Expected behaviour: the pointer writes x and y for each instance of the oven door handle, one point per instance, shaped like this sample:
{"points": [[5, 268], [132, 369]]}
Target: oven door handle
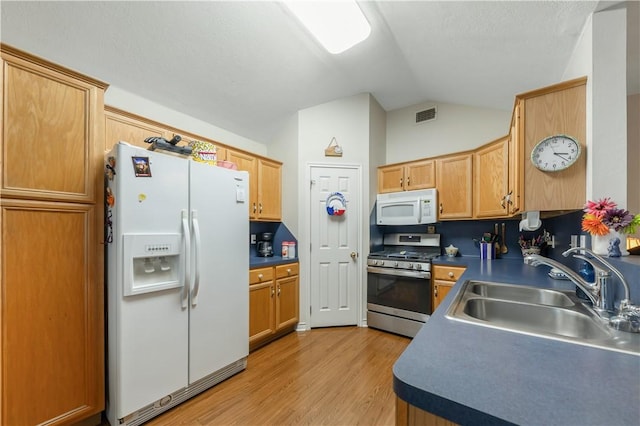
{"points": [[399, 272]]}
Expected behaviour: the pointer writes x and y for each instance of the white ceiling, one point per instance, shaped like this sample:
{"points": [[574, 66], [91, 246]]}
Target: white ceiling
{"points": [[248, 66]]}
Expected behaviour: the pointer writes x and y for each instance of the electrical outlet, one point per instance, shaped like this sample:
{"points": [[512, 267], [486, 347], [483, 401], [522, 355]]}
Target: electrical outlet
{"points": [[253, 238]]}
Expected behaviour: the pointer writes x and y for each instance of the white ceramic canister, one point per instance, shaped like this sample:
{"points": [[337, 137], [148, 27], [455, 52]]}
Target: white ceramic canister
{"points": [[292, 249]]}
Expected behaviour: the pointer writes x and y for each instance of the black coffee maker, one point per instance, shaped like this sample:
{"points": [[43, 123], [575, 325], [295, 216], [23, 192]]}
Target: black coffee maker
{"points": [[264, 245]]}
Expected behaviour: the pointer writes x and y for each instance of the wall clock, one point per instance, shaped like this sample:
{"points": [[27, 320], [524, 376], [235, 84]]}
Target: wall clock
{"points": [[555, 153]]}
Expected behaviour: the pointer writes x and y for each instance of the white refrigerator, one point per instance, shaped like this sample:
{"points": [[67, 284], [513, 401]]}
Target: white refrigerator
{"points": [[177, 279]]}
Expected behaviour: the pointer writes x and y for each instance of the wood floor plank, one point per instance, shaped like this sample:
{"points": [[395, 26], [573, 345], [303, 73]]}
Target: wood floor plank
{"points": [[328, 376]]}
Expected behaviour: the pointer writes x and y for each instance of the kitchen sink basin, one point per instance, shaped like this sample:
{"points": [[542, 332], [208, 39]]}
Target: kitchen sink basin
{"points": [[546, 313], [537, 296], [535, 318]]}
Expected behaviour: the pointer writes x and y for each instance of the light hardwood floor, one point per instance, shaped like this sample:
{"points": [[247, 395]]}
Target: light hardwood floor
{"points": [[329, 376]]}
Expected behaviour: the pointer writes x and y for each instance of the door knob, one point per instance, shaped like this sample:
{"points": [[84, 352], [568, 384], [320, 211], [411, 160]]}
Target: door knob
{"points": [[354, 255]]}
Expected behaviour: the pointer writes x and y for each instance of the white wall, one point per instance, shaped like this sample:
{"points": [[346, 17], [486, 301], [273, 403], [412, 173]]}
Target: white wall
{"points": [[609, 102], [284, 147], [377, 147], [347, 120], [633, 155], [456, 128], [135, 104]]}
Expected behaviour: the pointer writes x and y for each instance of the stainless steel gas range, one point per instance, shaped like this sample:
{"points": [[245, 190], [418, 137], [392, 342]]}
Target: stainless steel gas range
{"points": [[399, 282]]}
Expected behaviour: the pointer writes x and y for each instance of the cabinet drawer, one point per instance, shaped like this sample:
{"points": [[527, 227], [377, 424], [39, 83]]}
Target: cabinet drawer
{"points": [[260, 275], [449, 273], [288, 270]]}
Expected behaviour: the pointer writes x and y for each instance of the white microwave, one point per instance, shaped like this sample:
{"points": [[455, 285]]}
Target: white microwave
{"points": [[407, 207]]}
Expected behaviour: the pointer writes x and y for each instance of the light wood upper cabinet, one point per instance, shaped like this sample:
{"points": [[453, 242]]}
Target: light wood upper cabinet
{"points": [[559, 109], [516, 181], [265, 184], [406, 177], [504, 182], [52, 130], [491, 179], [120, 126], [454, 182], [391, 178], [51, 211], [269, 190]]}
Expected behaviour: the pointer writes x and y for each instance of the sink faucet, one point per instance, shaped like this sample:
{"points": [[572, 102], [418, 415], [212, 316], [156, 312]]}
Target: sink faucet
{"points": [[606, 273], [592, 290], [628, 315]]}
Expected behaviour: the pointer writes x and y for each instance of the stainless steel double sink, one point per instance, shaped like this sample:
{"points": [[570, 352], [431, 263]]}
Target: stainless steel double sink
{"points": [[547, 313]]}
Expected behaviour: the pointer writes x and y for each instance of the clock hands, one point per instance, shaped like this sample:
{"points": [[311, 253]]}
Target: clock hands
{"points": [[561, 155]]}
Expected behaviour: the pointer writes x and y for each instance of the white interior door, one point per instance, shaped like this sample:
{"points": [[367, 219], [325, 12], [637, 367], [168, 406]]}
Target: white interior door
{"points": [[335, 282]]}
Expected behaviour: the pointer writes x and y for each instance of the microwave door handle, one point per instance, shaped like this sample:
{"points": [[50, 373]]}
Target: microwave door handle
{"points": [[419, 211]]}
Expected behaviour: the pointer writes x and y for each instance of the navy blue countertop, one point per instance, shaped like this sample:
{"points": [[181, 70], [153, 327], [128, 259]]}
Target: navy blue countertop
{"points": [[261, 262], [478, 375]]}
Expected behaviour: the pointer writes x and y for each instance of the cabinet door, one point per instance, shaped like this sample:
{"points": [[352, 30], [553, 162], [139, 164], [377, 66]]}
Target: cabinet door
{"points": [[261, 311], [287, 301], [491, 183], [53, 130], [269, 190], [51, 313], [454, 178], [390, 179], [249, 164], [420, 175], [562, 110], [516, 159], [440, 291], [121, 128]]}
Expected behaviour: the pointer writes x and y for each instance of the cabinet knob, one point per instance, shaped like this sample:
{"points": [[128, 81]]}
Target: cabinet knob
{"points": [[260, 276], [273, 292], [260, 207], [278, 291], [288, 271], [450, 274], [441, 208], [254, 207]]}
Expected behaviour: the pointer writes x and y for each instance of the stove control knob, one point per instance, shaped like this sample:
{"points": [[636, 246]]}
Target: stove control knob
{"points": [[382, 263], [396, 265], [410, 266], [374, 262], [418, 266]]}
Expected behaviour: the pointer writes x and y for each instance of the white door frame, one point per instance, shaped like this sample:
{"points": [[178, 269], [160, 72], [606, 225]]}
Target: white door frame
{"points": [[304, 253]]}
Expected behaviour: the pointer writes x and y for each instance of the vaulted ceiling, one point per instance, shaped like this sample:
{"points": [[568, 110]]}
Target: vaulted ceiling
{"points": [[248, 66]]}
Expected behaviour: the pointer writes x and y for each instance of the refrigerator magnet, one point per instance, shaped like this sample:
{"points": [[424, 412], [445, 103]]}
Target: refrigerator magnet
{"points": [[141, 166]]}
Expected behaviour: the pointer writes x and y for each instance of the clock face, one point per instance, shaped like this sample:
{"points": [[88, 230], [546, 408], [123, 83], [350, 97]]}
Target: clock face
{"points": [[555, 153]]}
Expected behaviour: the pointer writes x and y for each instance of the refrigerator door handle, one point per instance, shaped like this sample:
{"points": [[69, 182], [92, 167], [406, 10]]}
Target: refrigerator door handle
{"points": [[196, 235], [187, 261]]}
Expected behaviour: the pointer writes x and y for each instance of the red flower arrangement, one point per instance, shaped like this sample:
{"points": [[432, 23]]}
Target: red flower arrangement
{"points": [[603, 215]]}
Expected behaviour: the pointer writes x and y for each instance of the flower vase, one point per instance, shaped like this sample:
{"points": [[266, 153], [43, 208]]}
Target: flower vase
{"points": [[606, 245]]}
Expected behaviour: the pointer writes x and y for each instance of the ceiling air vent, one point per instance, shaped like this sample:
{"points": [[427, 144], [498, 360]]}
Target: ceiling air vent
{"points": [[426, 115]]}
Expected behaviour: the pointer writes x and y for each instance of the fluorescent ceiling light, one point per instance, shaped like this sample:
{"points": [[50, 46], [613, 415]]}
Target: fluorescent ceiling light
{"points": [[337, 24]]}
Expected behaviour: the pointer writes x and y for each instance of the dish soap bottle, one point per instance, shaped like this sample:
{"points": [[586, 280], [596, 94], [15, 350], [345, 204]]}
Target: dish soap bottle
{"points": [[586, 271]]}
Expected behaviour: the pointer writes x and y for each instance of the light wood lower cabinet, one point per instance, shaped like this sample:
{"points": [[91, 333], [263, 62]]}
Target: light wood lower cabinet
{"points": [[444, 277], [273, 303], [410, 415]]}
